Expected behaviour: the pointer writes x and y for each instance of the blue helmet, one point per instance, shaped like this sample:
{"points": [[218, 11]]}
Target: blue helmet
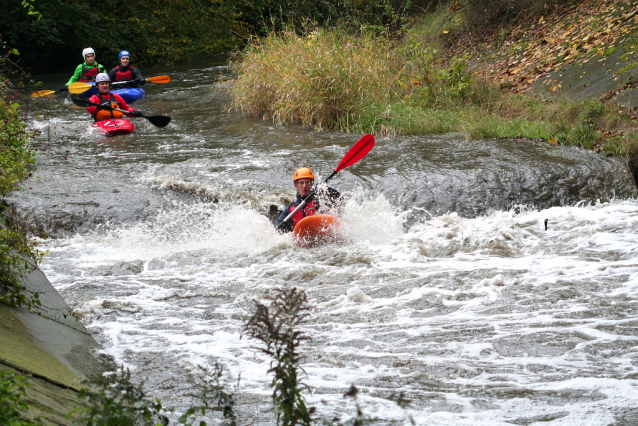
{"points": [[123, 53]]}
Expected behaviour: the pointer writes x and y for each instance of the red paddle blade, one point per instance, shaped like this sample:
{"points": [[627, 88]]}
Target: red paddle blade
{"points": [[357, 152]]}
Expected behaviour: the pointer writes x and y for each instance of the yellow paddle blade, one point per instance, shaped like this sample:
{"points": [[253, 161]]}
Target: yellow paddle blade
{"points": [[159, 79], [42, 93], [79, 87]]}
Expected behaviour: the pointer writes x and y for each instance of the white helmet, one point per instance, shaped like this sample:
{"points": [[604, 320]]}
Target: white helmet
{"points": [[87, 51], [102, 77]]}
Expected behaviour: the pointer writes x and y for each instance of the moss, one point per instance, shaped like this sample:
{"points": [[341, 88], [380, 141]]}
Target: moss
{"points": [[17, 348]]}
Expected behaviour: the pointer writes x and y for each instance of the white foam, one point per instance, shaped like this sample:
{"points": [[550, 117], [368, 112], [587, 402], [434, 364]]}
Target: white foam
{"points": [[460, 314]]}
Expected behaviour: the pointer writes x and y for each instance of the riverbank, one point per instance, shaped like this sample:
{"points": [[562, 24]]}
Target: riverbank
{"points": [[52, 347], [439, 77], [39, 335]]}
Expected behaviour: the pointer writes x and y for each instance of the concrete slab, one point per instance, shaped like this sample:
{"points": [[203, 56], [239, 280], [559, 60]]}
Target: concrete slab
{"points": [[48, 338], [52, 346]]}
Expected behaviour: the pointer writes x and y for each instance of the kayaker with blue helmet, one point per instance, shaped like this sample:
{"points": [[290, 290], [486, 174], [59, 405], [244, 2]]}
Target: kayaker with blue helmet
{"points": [[303, 180], [107, 101], [87, 70], [126, 72]]}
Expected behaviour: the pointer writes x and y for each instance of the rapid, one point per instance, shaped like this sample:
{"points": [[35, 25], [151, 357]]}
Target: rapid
{"points": [[491, 282]]}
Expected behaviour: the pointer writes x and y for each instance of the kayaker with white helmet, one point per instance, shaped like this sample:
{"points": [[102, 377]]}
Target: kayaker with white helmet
{"points": [[126, 72], [107, 101], [87, 70], [303, 180]]}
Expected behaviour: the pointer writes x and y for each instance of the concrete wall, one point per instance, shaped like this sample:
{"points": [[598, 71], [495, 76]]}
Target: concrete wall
{"points": [[50, 345]]}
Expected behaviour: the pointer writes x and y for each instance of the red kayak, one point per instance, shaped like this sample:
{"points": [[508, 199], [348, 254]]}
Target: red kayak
{"points": [[116, 126], [316, 230]]}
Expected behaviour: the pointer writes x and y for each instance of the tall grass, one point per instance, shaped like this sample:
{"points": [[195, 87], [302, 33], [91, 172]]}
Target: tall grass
{"points": [[365, 82], [322, 80]]}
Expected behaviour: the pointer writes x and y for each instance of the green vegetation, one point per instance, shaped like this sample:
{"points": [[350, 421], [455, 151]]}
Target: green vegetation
{"points": [[12, 405], [52, 33], [366, 81], [18, 255], [277, 327], [116, 401]]}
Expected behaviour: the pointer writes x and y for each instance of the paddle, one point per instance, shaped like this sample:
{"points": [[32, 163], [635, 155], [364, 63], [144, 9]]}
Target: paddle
{"points": [[156, 120], [80, 87], [356, 153], [41, 93]]}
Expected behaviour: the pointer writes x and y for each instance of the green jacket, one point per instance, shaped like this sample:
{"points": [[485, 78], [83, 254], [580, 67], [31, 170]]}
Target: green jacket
{"points": [[78, 71]]}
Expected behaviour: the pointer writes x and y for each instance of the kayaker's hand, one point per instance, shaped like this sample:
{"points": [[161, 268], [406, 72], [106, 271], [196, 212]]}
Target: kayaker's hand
{"points": [[64, 88], [140, 81], [137, 113]]}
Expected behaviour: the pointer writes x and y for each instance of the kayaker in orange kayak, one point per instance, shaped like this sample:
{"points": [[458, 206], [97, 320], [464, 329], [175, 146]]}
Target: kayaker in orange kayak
{"points": [[304, 180], [107, 101]]}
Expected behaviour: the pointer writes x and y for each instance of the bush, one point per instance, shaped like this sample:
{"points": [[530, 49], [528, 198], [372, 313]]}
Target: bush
{"points": [[12, 405], [117, 401], [18, 255]]}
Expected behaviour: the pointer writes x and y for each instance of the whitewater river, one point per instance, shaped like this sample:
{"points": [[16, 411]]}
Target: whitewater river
{"points": [[450, 289]]}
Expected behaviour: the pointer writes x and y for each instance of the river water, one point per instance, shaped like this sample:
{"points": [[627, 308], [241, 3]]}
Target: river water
{"points": [[449, 290]]}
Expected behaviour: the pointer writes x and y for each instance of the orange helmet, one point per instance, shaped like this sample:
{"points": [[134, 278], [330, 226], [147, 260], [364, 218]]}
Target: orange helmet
{"points": [[303, 172]]}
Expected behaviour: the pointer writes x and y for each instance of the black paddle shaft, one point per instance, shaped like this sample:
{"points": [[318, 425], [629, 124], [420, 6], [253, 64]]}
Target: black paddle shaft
{"points": [[82, 101]]}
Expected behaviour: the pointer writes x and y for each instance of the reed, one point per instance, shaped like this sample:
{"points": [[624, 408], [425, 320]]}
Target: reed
{"points": [[365, 82], [322, 80]]}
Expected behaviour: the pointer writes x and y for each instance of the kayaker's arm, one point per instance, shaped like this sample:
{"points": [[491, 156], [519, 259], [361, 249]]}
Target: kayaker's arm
{"points": [[329, 198], [138, 77], [113, 75], [281, 225], [76, 75], [300, 206]]}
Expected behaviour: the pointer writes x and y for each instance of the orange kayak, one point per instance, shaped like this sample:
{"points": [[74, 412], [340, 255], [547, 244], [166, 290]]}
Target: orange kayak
{"points": [[316, 230]]}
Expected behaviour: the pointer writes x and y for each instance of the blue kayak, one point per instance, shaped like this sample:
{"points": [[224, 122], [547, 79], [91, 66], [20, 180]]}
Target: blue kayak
{"points": [[129, 95]]}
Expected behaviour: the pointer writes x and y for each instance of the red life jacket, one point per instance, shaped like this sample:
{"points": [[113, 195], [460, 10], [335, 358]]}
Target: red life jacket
{"points": [[124, 75], [309, 209], [88, 74]]}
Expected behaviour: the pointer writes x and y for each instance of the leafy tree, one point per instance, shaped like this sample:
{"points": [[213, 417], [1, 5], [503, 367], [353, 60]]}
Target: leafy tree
{"points": [[51, 37]]}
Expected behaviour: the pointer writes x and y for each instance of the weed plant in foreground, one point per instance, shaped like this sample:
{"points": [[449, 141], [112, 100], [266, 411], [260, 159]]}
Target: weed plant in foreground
{"points": [[116, 400], [276, 327]]}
